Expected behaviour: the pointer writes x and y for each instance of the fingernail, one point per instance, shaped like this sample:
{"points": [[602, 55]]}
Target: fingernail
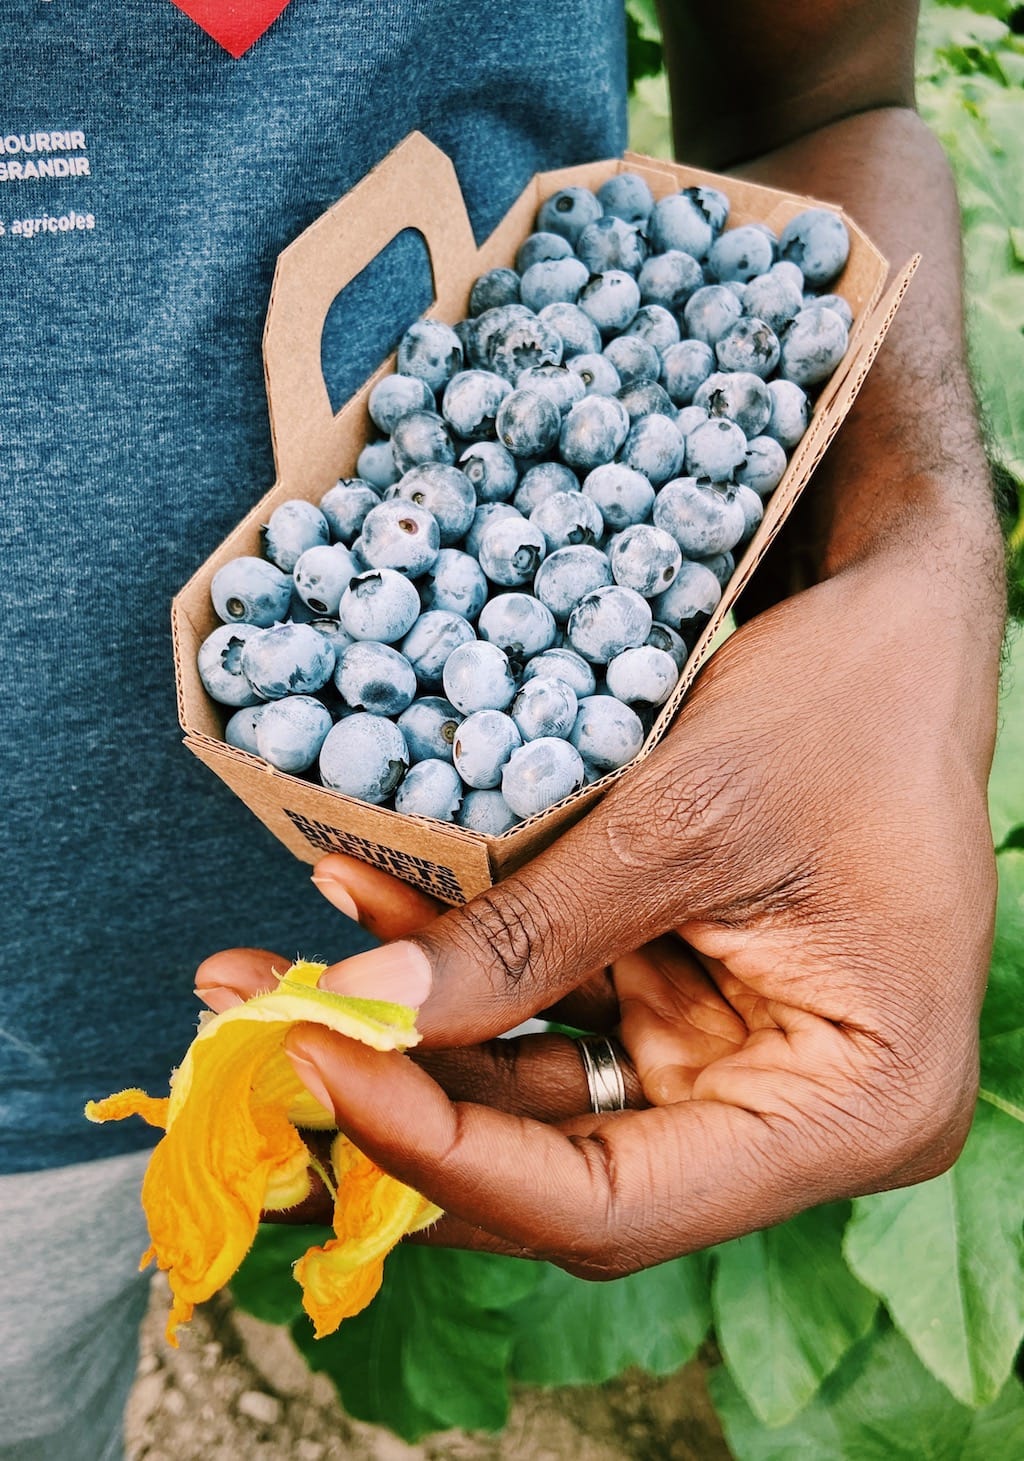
{"points": [[218, 996], [398, 972], [307, 1072], [339, 895]]}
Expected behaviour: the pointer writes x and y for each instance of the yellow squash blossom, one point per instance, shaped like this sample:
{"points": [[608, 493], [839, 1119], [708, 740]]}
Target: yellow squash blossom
{"points": [[231, 1150]]}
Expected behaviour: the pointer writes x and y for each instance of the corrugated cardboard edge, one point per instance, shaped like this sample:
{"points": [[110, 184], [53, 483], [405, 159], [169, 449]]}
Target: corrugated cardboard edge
{"points": [[446, 860]]}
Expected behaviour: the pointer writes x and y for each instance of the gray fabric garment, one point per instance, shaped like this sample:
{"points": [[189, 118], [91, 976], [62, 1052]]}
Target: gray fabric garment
{"points": [[71, 1301]]}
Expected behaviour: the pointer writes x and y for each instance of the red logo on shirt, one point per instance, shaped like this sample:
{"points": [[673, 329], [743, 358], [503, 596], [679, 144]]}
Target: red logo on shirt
{"points": [[234, 24]]}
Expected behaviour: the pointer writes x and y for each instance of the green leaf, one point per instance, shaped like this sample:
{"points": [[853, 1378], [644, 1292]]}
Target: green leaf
{"points": [[432, 1350], [1006, 784], [787, 1309], [264, 1284], [880, 1405], [576, 1333], [946, 1257], [1002, 1016]]}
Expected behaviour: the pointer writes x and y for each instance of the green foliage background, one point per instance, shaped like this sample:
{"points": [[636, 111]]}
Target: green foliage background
{"points": [[884, 1328]]}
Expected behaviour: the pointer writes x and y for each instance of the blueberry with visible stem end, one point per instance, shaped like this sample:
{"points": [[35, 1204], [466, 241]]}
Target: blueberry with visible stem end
{"points": [[429, 726], [364, 756], [220, 665], [250, 590]]}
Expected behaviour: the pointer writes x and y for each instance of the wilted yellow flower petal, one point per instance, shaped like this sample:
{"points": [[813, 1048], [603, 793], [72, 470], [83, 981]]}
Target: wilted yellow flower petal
{"points": [[231, 1148]]}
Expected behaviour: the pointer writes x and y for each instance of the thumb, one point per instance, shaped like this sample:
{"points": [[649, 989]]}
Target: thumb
{"points": [[613, 882]]}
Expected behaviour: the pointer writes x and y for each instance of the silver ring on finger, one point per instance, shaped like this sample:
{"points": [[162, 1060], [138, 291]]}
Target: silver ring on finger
{"points": [[601, 1066]]}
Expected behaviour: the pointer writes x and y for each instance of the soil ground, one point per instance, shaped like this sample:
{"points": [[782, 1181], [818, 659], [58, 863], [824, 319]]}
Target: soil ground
{"points": [[239, 1390]]}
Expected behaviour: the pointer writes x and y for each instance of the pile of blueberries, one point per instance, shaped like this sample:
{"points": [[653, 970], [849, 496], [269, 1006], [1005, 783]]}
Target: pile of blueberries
{"points": [[491, 612]]}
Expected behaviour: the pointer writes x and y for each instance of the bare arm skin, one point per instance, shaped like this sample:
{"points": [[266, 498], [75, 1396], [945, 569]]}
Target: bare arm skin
{"points": [[790, 902]]}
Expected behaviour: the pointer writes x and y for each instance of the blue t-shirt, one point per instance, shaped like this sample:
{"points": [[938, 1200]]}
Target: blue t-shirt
{"points": [[148, 181]]}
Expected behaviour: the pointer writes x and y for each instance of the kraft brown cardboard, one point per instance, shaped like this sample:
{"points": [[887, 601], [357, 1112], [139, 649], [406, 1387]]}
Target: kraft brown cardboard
{"points": [[416, 187]]}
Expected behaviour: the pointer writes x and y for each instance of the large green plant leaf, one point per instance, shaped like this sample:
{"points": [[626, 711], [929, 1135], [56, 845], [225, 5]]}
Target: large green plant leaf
{"points": [[1002, 1018], [264, 1284], [946, 1257], [1006, 787], [787, 1309], [880, 1405], [574, 1333]]}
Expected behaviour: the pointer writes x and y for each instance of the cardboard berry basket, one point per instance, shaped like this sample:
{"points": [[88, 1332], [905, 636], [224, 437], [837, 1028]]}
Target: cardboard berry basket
{"points": [[416, 187]]}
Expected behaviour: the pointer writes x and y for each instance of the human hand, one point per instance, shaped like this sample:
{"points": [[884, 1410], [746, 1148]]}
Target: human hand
{"points": [[805, 868]]}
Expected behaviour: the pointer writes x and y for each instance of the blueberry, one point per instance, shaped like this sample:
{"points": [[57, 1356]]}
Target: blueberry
{"points": [[380, 604], [680, 222], [430, 789], [834, 302], [715, 450], [394, 396], [346, 504], [611, 243], [578, 333], [510, 550], [669, 279], [375, 677], [293, 527], [607, 733], [645, 558], [692, 598], [376, 465], [565, 577], [562, 664], [429, 643], [655, 324], [542, 481], [655, 448], [752, 509], [722, 565], [773, 298], [813, 346], [688, 418], [220, 664], [322, 575], [541, 773], [635, 359], [290, 733], [568, 517], [477, 676], [740, 254], [544, 706], [738, 396], [421, 436], [519, 624], [483, 743], [710, 311], [568, 212], [626, 196], [240, 728], [684, 367], [492, 470], [539, 247], [485, 514], [748, 345], [445, 492], [400, 534], [713, 204], [524, 341], [470, 403], [430, 350], [496, 287], [593, 431], [611, 300], [487, 812], [555, 281], [646, 398], [764, 465], [429, 726], [250, 591], [817, 240], [288, 659], [485, 329], [790, 413], [666, 638], [598, 374], [364, 756], [642, 676], [563, 387], [607, 621], [701, 517], [624, 495], [332, 631]]}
